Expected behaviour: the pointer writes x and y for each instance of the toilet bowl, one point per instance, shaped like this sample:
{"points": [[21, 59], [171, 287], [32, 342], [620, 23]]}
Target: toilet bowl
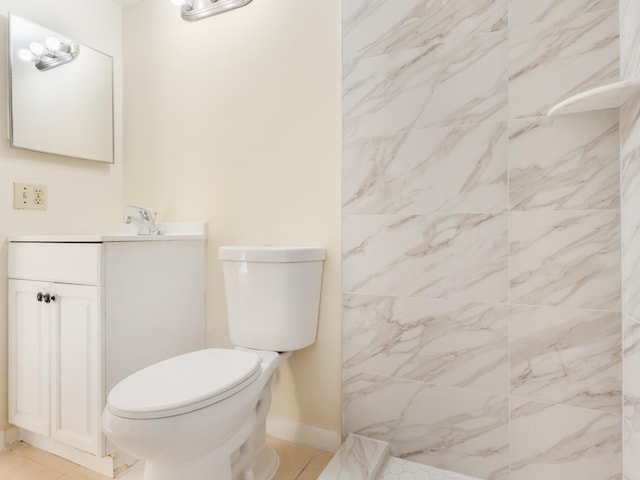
{"points": [[187, 422], [202, 415]]}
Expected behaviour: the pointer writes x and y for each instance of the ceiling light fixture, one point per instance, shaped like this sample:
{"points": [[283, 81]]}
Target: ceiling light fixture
{"points": [[192, 10]]}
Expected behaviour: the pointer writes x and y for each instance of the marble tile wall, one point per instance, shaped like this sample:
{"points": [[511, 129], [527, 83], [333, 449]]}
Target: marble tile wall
{"points": [[482, 326], [630, 220]]}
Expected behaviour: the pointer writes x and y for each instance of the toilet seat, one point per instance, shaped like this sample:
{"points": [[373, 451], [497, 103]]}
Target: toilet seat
{"points": [[184, 383]]}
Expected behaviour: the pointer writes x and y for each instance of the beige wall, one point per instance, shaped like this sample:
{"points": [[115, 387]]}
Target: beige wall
{"points": [[235, 120], [84, 196]]}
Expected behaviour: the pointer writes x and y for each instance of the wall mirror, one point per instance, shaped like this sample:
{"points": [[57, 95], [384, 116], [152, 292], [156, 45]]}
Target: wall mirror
{"points": [[60, 94]]}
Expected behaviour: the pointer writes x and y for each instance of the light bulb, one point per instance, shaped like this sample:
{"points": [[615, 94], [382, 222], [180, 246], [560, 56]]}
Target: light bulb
{"points": [[53, 43], [36, 48], [25, 55]]}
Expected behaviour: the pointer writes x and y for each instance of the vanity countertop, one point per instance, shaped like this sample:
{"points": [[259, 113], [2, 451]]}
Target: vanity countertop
{"points": [[127, 233]]}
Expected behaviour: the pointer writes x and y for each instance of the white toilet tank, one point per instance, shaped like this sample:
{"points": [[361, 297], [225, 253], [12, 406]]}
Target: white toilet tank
{"points": [[273, 295]]}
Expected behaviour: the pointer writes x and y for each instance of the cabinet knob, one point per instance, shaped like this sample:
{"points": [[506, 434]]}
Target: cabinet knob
{"points": [[45, 297]]}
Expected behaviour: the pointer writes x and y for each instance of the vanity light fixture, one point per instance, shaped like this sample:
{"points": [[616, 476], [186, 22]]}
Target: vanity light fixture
{"points": [[53, 53], [192, 10]]}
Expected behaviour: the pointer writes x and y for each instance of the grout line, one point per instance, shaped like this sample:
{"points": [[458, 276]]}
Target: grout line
{"points": [[299, 475]]}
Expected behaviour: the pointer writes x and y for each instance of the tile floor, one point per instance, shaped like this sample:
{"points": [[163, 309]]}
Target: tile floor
{"points": [[24, 462], [298, 462]]}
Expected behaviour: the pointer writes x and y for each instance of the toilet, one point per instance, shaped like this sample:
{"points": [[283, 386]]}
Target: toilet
{"points": [[202, 415]]}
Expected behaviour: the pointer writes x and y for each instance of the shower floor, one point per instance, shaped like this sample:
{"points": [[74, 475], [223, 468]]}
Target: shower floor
{"points": [[399, 469]]}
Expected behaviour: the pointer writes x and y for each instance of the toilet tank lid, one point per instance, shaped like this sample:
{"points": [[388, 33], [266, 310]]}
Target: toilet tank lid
{"points": [[270, 253]]}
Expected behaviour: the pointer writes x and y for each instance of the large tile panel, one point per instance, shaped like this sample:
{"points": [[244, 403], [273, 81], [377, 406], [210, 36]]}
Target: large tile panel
{"points": [[569, 162], [554, 442], [376, 27], [630, 180], [447, 343], [566, 356], [630, 158], [435, 256], [567, 259], [630, 38], [630, 126], [631, 419], [464, 431], [550, 61], [411, 173], [631, 263], [424, 87], [631, 359], [631, 240], [522, 12], [631, 433]]}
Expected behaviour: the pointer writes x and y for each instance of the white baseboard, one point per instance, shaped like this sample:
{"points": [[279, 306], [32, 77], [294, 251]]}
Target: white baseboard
{"points": [[302, 434]]}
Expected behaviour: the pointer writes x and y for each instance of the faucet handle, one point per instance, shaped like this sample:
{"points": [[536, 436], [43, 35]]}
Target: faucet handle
{"points": [[144, 213]]}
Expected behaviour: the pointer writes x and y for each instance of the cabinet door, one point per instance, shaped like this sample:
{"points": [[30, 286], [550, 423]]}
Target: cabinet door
{"points": [[29, 357], [76, 403]]}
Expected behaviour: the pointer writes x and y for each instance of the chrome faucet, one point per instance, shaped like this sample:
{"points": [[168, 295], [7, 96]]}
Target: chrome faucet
{"points": [[145, 221]]}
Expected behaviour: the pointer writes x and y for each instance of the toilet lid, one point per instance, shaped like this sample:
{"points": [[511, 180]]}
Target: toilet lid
{"points": [[184, 383]]}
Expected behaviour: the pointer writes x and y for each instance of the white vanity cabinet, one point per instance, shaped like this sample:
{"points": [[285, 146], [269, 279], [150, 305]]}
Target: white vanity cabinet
{"points": [[54, 357], [85, 312]]}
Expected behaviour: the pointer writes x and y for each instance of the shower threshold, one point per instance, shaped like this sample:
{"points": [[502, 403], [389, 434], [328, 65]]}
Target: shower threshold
{"points": [[399, 469], [362, 458]]}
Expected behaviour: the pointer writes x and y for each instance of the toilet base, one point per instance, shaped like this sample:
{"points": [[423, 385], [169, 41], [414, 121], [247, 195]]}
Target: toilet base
{"points": [[215, 465], [265, 468], [266, 465]]}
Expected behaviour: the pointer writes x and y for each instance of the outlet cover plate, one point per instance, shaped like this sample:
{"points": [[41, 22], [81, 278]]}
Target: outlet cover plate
{"points": [[30, 196]]}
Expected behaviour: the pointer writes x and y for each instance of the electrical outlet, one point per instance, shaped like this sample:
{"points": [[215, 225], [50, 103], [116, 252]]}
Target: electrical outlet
{"points": [[29, 196]]}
